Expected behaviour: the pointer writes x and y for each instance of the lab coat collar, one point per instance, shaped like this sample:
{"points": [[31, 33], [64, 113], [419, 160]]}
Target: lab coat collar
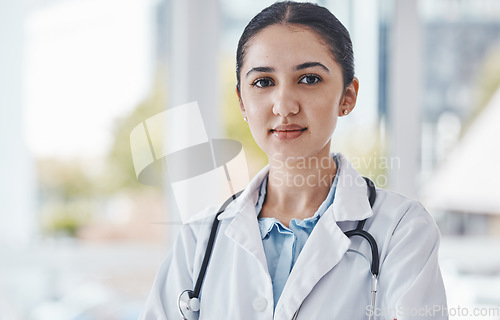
{"points": [[350, 203], [351, 197], [249, 196]]}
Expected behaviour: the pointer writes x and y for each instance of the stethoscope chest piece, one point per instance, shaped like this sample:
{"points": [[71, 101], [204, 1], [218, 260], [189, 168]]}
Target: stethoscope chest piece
{"points": [[187, 303]]}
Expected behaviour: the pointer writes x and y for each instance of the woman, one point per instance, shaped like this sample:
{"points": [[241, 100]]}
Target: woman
{"points": [[280, 250]]}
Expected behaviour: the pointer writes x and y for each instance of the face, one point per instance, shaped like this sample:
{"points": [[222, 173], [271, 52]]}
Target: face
{"points": [[291, 91]]}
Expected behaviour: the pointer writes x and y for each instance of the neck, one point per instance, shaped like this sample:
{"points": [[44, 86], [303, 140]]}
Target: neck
{"points": [[297, 186]]}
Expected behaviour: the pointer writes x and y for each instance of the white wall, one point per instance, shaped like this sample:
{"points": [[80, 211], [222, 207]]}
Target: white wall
{"points": [[17, 191]]}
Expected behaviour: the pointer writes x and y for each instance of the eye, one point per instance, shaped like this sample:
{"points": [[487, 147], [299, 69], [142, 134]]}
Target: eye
{"points": [[263, 82], [310, 79]]}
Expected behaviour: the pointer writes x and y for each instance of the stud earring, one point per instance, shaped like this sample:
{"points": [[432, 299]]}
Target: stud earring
{"points": [[346, 112], [245, 118]]}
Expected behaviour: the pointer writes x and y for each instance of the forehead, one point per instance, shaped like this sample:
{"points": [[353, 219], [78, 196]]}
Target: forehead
{"points": [[286, 45]]}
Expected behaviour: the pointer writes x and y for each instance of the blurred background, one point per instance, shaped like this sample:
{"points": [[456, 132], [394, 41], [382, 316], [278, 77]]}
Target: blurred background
{"points": [[80, 238]]}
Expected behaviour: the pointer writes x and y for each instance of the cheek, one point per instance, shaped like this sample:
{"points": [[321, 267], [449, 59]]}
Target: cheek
{"points": [[326, 108], [329, 123], [250, 98], [259, 134], [327, 117], [257, 107]]}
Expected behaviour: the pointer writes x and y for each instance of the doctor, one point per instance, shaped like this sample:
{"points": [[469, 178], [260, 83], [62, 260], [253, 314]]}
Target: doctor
{"points": [[280, 250]]}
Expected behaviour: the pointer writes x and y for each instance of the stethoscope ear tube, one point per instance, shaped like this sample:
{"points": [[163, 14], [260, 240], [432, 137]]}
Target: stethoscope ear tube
{"points": [[210, 245], [359, 231], [374, 267], [372, 192]]}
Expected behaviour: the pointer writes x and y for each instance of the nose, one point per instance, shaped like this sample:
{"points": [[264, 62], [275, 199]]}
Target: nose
{"points": [[285, 102]]}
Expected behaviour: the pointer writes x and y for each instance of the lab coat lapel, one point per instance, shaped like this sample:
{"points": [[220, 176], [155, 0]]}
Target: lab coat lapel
{"points": [[243, 229], [323, 250]]}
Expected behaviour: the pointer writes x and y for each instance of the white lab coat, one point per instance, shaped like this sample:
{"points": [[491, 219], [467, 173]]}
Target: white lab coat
{"points": [[331, 278]]}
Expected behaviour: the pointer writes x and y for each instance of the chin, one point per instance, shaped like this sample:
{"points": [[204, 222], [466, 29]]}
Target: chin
{"points": [[284, 154]]}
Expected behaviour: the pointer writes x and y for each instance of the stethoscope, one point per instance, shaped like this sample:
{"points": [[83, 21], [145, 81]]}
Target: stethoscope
{"points": [[192, 304]]}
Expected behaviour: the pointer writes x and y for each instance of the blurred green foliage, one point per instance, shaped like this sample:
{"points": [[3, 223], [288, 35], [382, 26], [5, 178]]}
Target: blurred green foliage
{"points": [[120, 173], [66, 189], [64, 218]]}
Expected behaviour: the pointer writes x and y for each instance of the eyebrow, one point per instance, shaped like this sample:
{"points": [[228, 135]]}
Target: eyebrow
{"points": [[260, 69], [310, 65], [301, 66]]}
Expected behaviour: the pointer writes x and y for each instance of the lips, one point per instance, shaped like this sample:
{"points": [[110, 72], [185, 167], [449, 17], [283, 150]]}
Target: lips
{"points": [[288, 131]]}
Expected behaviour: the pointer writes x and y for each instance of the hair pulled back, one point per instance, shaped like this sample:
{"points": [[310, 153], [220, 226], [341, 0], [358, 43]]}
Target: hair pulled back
{"points": [[312, 16]]}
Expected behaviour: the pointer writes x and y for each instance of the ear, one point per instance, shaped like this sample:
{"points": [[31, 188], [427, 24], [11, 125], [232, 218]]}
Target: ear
{"points": [[348, 101], [242, 107]]}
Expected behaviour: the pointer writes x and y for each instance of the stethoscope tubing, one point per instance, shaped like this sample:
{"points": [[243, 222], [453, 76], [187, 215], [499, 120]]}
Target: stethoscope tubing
{"points": [[210, 245]]}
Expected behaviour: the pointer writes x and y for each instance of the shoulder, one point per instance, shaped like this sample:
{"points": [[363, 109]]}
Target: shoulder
{"points": [[399, 209], [196, 232], [403, 222], [198, 228]]}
